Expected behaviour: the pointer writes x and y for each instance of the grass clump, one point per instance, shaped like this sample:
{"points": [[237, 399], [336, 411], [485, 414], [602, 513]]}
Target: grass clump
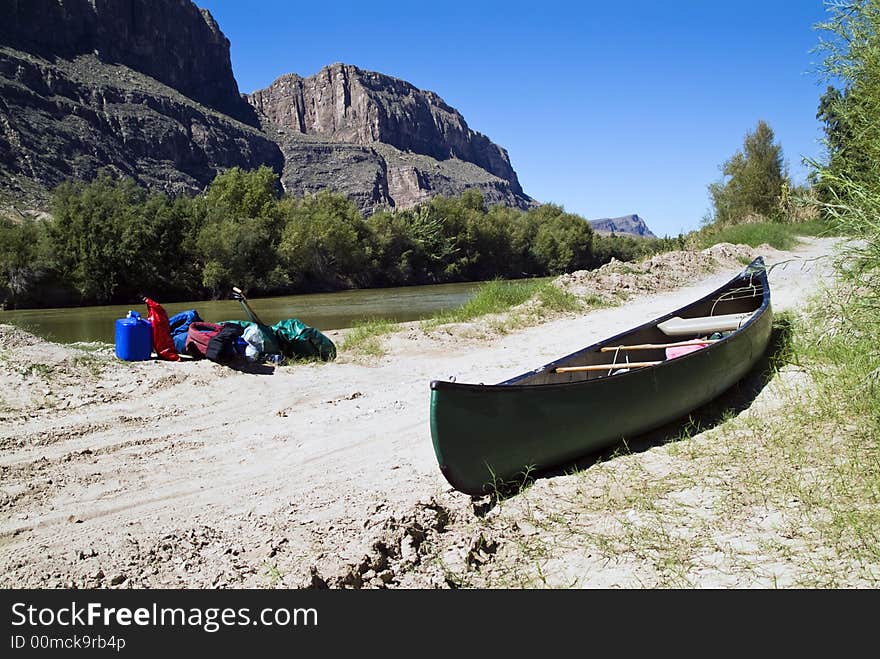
{"points": [[776, 235], [494, 296], [37, 369], [365, 336], [499, 296], [553, 298], [89, 362]]}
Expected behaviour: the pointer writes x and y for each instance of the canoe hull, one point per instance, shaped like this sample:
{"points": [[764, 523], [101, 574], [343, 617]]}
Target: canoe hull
{"points": [[485, 436]]}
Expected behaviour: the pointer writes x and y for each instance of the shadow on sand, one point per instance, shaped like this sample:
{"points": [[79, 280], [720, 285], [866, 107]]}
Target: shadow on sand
{"points": [[240, 365], [732, 402]]}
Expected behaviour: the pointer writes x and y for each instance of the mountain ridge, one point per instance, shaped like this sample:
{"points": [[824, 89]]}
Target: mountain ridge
{"points": [[145, 88], [629, 224]]}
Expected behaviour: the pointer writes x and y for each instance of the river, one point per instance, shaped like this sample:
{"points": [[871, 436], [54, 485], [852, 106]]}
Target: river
{"points": [[325, 311]]}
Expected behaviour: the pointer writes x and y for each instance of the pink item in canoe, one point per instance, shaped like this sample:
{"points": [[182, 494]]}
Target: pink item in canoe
{"points": [[678, 351]]}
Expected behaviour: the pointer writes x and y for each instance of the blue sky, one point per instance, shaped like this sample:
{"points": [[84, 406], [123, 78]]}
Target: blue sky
{"points": [[606, 108]]}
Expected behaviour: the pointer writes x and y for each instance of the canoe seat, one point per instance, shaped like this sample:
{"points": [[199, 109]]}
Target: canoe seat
{"points": [[703, 325]]}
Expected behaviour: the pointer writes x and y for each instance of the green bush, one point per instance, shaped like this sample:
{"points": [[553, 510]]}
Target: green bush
{"points": [[110, 240]]}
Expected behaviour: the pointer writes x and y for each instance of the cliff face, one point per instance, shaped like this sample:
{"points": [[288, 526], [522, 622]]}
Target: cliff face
{"points": [[418, 146], [171, 41], [69, 118], [145, 87]]}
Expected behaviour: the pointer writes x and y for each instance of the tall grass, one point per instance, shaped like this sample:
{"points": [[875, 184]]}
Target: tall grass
{"points": [[493, 297], [498, 296], [828, 444]]}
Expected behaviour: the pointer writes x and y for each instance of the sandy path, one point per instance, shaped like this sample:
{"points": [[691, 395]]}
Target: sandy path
{"points": [[192, 474]]}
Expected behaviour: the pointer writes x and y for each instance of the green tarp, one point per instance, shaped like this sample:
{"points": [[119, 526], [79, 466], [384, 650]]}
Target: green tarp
{"points": [[293, 338]]}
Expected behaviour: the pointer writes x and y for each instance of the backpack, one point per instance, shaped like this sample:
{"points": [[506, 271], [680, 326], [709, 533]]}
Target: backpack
{"points": [[198, 336], [221, 346]]}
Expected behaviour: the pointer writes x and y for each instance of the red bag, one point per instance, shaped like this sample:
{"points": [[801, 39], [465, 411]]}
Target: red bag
{"points": [[163, 344], [199, 335]]}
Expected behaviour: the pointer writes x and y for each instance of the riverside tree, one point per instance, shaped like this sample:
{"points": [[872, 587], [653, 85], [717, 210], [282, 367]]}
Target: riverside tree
{"points": [[240, 227], [110, 240], [752, 182], [850, 110], [848, 180], [22, 260]]}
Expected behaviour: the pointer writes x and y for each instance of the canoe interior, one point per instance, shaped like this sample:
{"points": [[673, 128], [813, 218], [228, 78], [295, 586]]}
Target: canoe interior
{"points": [[745, 294]]}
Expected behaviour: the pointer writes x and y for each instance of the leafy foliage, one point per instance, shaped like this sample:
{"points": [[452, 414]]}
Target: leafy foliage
{"points": [[112, 241], [324, 243], [850, 187], [753, 180], [239, 229], [849, 112], [22, 259]]}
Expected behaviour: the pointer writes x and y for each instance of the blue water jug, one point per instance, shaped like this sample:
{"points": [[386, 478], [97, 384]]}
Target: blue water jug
{"points": [[134, 338]]}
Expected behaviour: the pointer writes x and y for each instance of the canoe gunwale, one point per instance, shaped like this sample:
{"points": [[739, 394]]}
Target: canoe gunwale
{"points": [[755, 270]]}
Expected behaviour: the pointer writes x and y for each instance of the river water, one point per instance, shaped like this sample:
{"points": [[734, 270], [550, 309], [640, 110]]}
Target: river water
{"points": [[325, 311]]}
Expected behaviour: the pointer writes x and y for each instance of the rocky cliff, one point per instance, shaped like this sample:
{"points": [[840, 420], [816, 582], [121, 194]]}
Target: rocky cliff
{"points": [[397, 144], [631, 224], [145, 87], [171, 41]]}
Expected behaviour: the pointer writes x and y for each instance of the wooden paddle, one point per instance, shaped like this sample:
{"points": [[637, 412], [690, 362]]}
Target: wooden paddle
{"points": [[656, 346], [250, 312], [605, 367], [270, 342]]}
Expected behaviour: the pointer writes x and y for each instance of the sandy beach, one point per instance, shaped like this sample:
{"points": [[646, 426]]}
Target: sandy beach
{"points": [[192, 474]]}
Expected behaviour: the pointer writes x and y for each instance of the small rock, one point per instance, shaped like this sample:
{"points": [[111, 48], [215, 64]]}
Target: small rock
{"points": [[316, 582], [117, 579]]}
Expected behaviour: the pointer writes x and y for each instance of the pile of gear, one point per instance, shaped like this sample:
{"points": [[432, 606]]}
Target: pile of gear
{"points": [[235, 340]]}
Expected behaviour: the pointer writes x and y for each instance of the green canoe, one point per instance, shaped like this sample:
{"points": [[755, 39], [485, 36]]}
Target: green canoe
{"points": [[488, 435]]}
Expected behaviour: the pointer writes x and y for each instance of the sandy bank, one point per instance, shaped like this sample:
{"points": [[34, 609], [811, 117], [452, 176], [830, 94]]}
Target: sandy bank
{"points": [[192, 474]]}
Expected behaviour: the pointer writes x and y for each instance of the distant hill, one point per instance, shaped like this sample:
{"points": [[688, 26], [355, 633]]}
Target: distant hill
{"points": [[631, 224]]}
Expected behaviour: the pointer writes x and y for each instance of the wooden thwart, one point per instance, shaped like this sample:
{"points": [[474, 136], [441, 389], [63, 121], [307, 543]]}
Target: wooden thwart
{"points": [[658, 346], [605, 367]]}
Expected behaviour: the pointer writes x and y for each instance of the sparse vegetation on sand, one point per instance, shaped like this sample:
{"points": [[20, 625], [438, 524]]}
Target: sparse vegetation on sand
{"points": [[782, 493], [779, 235]]}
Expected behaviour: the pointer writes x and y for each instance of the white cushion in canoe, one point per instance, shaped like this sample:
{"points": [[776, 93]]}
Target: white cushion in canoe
{"points": [[703, 325]]}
